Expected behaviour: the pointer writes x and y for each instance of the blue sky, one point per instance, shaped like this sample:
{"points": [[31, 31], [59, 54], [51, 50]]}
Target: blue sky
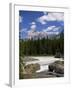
{"points": [[39, 22]]}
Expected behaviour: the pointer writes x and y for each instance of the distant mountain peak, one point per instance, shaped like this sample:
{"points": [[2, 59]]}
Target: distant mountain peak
{"points": [[33, 34]]}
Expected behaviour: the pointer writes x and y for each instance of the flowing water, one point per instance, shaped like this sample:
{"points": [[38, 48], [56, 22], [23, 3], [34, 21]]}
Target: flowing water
{"points": [[44, 61]]}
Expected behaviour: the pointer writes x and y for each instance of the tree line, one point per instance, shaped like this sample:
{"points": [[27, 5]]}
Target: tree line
{"points": [[44, 46]]}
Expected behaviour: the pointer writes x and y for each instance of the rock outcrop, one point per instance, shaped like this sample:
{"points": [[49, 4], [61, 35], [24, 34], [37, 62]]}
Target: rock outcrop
{"points": [[32, 68], [57, 67]]}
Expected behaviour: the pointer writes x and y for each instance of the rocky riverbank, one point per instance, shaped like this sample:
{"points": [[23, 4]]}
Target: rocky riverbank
{"points": [[55, 69]]}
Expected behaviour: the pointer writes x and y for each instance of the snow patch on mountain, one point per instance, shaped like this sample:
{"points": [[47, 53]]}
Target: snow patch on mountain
{"points": [[49, 32]]}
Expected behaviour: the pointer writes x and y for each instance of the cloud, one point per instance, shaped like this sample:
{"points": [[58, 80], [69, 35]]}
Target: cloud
{"points": [[42, 19], [56, 16], [49, 28], [51, 17], [52, 30], [33, 25], [20, 19], [23, 30], [56, 29]]}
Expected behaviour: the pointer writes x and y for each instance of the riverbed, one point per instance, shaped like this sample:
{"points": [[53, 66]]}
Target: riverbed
{"points": [[44, 61]]}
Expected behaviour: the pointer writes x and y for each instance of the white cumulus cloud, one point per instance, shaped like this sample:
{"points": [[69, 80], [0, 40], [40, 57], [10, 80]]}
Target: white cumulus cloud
{"points": [[52, 29], [51, 17], [49, 28], [33, 25]]}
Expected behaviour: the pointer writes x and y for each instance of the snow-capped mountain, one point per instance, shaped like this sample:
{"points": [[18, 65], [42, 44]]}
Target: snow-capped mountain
{"points": [[55, 32]]}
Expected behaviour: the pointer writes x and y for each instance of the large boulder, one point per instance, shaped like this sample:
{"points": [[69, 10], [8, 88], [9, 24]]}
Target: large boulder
{"points": [[27, 71], [57, 67], [32, 68]]}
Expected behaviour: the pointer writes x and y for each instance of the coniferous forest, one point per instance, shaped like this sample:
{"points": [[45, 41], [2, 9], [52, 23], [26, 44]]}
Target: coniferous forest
{"points": [[42, 47]]}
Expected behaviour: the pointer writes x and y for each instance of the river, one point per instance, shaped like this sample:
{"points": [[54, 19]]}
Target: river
{"points": [[44, 61]]}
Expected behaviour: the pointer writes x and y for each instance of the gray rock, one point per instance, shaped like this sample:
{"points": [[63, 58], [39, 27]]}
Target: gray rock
{"points": [[57, 67], [58, 55]]}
